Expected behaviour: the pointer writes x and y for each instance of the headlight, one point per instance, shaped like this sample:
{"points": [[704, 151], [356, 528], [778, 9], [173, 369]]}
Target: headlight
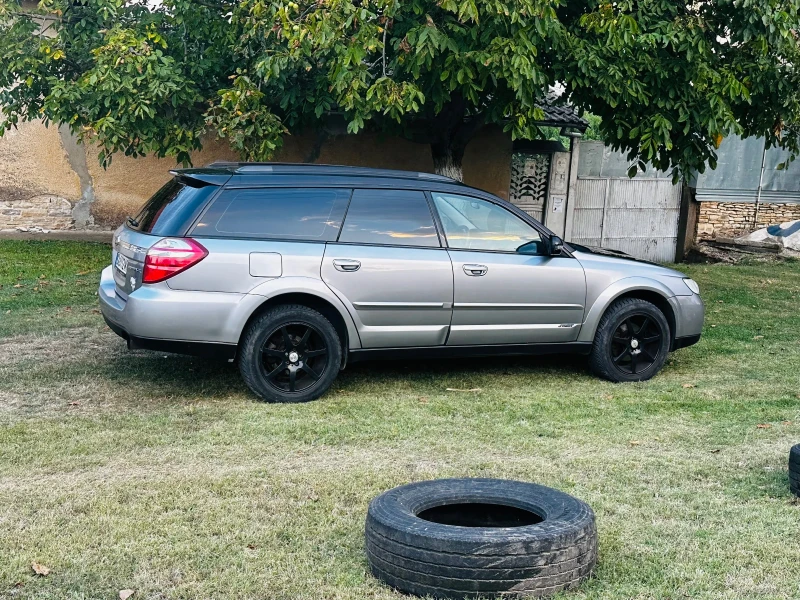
{"points": [[692, 285]]}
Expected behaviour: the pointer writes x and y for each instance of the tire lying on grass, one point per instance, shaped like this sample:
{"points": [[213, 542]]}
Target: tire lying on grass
{"points": [[794, 470], [467, 538]]}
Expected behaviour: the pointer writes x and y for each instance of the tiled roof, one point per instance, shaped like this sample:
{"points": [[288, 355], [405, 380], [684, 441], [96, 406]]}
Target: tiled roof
{"points": [[561, 115]]}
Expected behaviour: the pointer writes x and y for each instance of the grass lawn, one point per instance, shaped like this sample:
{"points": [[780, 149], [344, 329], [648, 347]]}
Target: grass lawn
{"points": [[162, 474]]}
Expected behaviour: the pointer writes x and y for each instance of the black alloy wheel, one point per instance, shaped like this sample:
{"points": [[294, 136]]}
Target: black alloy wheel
{"points": [[294, 357], [631, 342], [636, 344], [290, 353]]}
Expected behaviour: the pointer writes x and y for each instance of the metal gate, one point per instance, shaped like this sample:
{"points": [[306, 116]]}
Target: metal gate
{"points": [[529, 176], [637, 216]]}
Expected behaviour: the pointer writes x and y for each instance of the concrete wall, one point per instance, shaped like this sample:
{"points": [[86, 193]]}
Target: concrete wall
{"points": [[48, 180]]}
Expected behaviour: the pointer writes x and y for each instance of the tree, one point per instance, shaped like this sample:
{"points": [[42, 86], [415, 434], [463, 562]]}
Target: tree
{"points": [[133, 79], [667, 79]]}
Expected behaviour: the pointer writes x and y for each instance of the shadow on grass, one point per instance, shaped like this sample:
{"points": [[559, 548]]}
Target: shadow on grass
{"points": [[189, 377]]}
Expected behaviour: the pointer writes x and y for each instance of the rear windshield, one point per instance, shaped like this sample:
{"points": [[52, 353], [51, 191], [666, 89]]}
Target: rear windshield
{"points": [[172, 208]]}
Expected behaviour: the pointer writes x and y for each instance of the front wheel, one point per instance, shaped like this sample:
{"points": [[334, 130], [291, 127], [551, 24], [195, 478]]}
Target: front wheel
{"points": [[631, 343], [290, 353]]}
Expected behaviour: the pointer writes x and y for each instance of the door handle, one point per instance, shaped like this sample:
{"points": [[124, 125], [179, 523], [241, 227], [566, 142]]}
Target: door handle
{"points": [[476, 270], [347, 265]]}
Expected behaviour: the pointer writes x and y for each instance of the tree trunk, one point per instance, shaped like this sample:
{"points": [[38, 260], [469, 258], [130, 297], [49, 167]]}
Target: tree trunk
{"points": [[447, 160]]}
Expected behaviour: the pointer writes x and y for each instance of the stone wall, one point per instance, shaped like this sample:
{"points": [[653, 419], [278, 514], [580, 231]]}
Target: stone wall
{"points": [[735, 218], [47, 211]]}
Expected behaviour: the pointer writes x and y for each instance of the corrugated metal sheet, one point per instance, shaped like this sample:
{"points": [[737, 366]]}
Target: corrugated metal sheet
{"points": [[739, 169], [587, 220], [767, 196], [637, 216]]}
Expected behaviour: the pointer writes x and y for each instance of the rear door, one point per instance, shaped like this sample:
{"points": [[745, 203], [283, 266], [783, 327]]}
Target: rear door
{"points": [[507, 289], [390, 270]]}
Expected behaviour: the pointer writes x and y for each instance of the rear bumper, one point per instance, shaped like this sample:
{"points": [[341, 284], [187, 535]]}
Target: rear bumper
{"points": [[155, 317], [205, 349]]}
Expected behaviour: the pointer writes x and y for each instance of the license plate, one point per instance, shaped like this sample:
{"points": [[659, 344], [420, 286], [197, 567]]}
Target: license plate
{"points": [[121, 263]]}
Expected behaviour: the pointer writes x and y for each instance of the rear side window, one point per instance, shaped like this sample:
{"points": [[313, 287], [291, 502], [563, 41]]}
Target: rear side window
{"points": [[172, 208], [389, 217], [310, 214]]}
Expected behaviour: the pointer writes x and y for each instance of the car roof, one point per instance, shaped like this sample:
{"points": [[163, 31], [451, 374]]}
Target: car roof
{"points": [[301, 169], [249, 175]]}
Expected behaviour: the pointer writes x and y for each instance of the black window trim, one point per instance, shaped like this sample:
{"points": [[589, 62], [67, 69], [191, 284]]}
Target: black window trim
{"points": [[185, 230], [428, 191], [191, 227]]}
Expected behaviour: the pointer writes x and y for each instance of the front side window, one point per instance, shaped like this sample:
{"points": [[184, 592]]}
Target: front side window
{"points": [[303, 214], [389, 217], [473, 224]]}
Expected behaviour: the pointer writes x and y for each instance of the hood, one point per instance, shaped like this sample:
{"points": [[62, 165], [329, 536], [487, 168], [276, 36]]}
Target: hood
{"points": [[625, 264], [608, 252]]}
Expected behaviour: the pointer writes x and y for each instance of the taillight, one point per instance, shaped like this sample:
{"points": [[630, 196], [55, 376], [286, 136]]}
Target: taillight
{"points": [[169, 257]]}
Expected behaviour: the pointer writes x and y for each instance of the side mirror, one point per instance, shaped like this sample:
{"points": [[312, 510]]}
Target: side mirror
{"points": [[556, 245]]}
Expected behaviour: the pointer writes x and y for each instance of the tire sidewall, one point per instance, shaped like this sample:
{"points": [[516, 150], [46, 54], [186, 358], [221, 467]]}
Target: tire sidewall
{"points": [[427, 558], [565, 518]]}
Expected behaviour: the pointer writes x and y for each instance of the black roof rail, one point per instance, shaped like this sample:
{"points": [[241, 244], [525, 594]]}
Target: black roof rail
{"points": [[243, 168]]}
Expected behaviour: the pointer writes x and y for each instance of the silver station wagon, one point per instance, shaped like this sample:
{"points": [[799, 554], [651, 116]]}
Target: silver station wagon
{"points": [[296, 270]]}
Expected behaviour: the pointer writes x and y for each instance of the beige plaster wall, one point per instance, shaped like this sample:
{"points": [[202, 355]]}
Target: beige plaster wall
{"points": [[36, 162], [121, 188]]}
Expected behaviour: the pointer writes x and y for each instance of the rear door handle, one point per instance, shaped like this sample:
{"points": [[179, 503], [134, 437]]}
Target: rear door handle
{"points": [[476, 270], [346, 264]]}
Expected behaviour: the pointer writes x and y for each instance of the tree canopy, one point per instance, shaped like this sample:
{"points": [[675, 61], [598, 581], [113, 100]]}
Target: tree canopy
{"points": [[668, 80]]}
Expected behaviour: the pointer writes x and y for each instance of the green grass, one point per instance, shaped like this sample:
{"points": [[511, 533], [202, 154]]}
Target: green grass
{"points": [[162, 474], [47, 285]]}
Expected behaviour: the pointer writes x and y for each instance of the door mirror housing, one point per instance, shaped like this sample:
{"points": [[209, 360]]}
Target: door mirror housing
{"points": [[535, 248], [556, 245]]}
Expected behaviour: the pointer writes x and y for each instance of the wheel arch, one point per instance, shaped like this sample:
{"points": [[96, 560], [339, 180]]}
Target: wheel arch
{"points": [[322, 305], [649, 290], [656, 299]]}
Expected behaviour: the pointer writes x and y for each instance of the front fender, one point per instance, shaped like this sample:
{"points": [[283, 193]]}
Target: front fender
{"points": [[297, 285], [611, 293]]}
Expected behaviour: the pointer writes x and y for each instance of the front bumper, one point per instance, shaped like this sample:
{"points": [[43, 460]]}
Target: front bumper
{"points": [[157, 317], [689, 315]]}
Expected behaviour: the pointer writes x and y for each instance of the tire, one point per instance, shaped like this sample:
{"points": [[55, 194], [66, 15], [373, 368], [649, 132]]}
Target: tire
{"points": [[509, 556], [644, 358], [268, 343], [794, 470]]}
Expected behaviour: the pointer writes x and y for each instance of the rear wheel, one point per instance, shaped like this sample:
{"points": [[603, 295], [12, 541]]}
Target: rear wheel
{"points": [[290, 353], [631, 343]]}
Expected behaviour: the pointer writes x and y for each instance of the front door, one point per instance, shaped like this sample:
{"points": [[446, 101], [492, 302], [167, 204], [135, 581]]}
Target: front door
{"points": [[390, 270], [507, 290]]}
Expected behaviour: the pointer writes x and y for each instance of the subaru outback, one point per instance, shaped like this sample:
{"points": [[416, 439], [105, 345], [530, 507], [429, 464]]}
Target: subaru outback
{"points": [[295, 270]]}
